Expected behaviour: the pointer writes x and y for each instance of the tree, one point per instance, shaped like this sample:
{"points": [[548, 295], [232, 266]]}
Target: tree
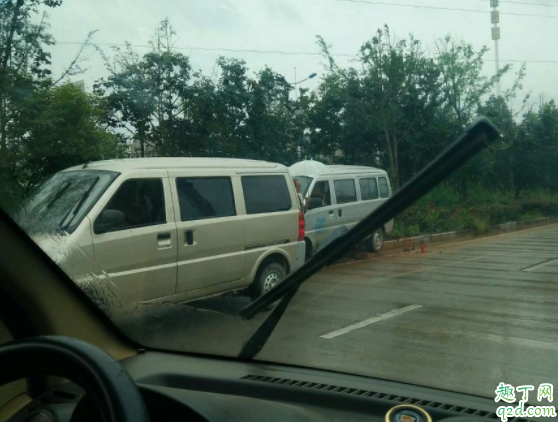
{"points": [[269, 120], [66, 129], [25, 89], [397, 85], [340, 128], [537, 149], [232, 99], [23, 63], [144, 95], [464, 87], [463, 83], [502, 156]]}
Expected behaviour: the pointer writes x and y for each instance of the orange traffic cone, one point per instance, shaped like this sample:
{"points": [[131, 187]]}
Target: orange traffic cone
{"points": [[423, 249]]}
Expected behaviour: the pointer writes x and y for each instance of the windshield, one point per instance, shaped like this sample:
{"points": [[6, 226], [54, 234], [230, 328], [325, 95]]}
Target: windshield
{"points": [[160, 145], [64, 199]]}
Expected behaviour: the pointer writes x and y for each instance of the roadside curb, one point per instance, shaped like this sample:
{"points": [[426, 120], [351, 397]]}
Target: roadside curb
{"points": [[448, 237]]}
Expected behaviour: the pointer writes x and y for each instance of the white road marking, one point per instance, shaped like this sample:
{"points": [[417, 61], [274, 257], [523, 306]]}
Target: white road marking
{"points": [[542, 264], [369, 321]]}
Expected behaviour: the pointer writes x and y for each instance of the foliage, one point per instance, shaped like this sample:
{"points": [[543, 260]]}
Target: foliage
{"points": [[66, 131], [393, 107], [44, 126], [394, 92], [444, 210]]}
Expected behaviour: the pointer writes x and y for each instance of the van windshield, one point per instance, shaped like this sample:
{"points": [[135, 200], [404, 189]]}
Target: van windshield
{"points": [[63, 200]]}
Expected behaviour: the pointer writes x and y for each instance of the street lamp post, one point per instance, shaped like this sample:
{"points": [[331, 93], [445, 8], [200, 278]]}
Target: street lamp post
{"points": [[310, 76]]}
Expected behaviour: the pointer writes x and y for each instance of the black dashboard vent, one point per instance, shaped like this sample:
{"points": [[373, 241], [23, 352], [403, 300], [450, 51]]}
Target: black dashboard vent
{"points": [[377, 395]]}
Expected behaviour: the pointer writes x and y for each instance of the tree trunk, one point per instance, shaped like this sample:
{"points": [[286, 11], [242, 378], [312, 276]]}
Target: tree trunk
{"points": [[393, 166], [3, 129], [141, 138], [9, 40], [6, 53], [512, 178], [396, 181]]}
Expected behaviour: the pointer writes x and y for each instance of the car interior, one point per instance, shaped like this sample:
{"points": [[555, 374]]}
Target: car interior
{"points": [[141, 202], [62, 359], [320, 196]]}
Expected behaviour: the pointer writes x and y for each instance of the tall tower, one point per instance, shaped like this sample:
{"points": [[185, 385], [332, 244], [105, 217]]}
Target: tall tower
{"points": [[495, 19]]}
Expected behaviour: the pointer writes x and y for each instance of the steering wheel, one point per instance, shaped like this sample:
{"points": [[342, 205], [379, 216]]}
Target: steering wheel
{"points": [[107, 384]]}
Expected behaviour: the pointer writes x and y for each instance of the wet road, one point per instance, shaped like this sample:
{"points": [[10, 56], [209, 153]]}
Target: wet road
{"points": [[460, 317]]}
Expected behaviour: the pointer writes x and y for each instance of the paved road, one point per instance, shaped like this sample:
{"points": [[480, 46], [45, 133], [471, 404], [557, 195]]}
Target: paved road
{"points": [[461, 317]]}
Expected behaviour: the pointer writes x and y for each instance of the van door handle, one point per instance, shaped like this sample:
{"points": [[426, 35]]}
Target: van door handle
{"points": [[340, 212], [189, 237], [164, 240], [331, 213]]}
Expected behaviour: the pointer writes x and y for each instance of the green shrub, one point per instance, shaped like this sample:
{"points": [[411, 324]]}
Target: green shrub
{"points": [[444, 210], [479, 226], [531, 215], [442, 196]]}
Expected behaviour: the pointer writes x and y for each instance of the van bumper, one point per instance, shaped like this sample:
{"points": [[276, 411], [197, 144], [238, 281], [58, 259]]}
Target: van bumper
{"points": [[300, 256]]}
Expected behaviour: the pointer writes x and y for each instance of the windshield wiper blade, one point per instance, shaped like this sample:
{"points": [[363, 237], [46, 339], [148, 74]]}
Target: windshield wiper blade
{"points": [[474, 139], [79, 204], [58, 195]]}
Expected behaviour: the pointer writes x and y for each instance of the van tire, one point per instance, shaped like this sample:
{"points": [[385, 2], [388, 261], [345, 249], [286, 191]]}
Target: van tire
{"points": [[269, 274], [376, 241], [308, 249]]}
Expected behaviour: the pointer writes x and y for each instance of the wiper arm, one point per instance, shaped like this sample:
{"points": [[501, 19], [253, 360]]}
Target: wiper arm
{"points": [[475, 138], [79, 204]]}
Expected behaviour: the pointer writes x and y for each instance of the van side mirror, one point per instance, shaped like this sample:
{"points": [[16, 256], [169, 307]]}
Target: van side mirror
{"points": [[109, 220]]}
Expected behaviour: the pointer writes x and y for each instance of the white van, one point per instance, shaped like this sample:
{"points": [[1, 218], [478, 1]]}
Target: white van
{"points": [[337, 198], [178, 229]]}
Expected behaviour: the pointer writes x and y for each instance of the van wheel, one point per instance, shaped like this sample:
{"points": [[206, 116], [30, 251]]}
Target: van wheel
{"points": [[268, 276], [375, 242]]}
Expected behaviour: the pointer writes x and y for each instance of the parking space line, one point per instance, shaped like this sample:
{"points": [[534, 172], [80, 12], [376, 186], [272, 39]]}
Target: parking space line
{"points": [[369, 321], [542, 264]]}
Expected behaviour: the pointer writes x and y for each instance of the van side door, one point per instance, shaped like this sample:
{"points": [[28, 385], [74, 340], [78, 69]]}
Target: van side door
{"points": [[320, 216], [272, 216], [348, 210], [134, 235], [210, 230]]}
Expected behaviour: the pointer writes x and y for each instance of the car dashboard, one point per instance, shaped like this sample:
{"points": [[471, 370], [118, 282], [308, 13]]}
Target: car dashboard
{"points": [[182, 387]]}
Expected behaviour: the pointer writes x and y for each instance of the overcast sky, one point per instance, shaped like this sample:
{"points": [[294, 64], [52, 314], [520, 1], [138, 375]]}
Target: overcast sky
{"points": [[291, 26]]}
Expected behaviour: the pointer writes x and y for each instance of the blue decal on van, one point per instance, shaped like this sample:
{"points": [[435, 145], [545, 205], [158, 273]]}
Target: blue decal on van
{"points": [[320, 224]]}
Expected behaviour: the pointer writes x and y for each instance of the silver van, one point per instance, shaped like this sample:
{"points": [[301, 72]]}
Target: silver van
{"points": [[337, 198], [179, 229]]}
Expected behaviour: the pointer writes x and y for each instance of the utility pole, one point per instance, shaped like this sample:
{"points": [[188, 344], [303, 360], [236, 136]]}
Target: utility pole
{"points": [[296, 95], [495, 19]]}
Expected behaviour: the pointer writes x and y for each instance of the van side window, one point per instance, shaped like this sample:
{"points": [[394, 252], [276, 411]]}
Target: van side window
{"points": [[384, 189], [345, 191], [139, 202], [368, 189], [321, 195], [205, 197], [266, 194]]}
